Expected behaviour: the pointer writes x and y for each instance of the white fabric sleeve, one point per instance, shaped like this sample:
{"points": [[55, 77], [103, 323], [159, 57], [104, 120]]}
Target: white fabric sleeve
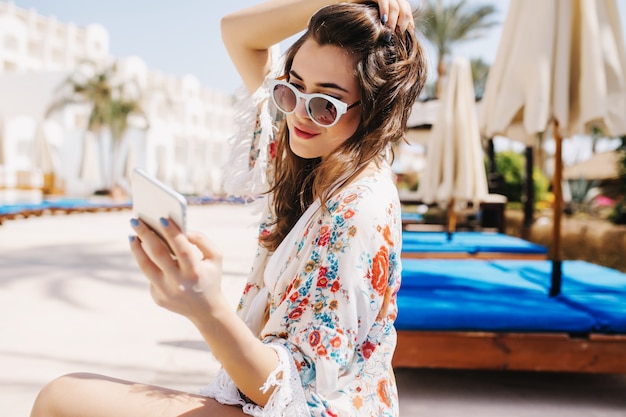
{"points": [[287, 399], [246, 171]]}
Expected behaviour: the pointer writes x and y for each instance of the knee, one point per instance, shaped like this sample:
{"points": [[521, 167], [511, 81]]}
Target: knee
{"points": [[56, 395]]}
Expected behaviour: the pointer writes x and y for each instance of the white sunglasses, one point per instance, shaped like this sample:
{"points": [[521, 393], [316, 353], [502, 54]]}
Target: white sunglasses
{"points": [[323, 109]]}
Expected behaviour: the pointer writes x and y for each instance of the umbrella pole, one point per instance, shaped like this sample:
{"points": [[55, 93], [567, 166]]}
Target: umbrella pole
{"points": [[555, 288], [529, 194], [451, 226]]}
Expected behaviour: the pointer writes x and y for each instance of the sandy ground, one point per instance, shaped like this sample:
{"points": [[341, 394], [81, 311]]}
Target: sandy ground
{"points": [[72, 299]]}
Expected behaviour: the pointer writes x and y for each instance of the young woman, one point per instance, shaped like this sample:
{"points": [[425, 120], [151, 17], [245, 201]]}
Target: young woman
{"points": [[313, 333]]}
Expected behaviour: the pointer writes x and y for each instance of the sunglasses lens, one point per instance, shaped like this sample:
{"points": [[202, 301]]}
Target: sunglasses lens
{"points": [[322, 111], [285, 98]]}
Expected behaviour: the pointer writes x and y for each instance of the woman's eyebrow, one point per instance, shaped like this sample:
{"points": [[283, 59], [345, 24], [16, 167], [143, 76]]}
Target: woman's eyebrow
{"points": [[324, 85]]}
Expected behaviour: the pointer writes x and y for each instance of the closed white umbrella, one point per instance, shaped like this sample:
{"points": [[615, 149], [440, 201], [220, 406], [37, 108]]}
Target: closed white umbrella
{"points": [[89, 165], [561, 64], [455, 170], [1, 141], [44, 156], [161, 163], [130, 163]]}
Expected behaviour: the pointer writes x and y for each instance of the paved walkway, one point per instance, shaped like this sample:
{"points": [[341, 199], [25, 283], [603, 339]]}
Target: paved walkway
{"points": [[72, 299]]}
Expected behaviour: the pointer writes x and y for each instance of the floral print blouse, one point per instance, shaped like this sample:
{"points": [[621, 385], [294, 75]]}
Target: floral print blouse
{"points": [[329, 296]]}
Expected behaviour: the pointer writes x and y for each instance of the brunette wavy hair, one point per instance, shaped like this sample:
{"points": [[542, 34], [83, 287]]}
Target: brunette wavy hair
{"points": [[390, 69]]}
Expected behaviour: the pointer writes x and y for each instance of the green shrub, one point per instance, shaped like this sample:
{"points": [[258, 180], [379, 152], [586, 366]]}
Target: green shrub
{"points": [[511, 166], [618, 215]]}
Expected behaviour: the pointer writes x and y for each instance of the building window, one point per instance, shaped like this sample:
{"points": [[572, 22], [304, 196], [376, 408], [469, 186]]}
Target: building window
{"points": [[9, 66], [41, 25], [181, 152], [10, 43], [57, 56], [34, 49]]}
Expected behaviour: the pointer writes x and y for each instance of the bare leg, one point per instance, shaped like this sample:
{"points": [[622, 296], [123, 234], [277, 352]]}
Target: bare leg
{"points": [[90, 395]]}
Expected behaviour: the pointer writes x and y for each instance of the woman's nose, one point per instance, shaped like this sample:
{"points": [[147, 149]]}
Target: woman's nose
{"points": [[300, 109]]}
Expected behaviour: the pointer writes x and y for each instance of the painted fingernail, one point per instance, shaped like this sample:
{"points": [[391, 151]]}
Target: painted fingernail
{"points": [[384, 18], [131, 238], [134, 223], [164, 222]]}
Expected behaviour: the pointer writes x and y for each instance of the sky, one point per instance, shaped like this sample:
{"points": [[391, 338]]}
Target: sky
{"points": [[183, 37]]}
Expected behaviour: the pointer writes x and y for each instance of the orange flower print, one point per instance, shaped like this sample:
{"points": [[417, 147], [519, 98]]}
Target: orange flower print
{"points": [[322, 272], [295, 313], [314, 338], [324, 239], [272, 150], [321, 350], [322, 282], [247, 288], [350, 198], [349, 213], [379, 270], [387, 235], [335, 342], [367, 349], [383, 392], [335, 287]]}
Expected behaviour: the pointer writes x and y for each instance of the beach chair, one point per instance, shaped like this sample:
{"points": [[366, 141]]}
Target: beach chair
{"points": [[475, 314], [468, 245]]}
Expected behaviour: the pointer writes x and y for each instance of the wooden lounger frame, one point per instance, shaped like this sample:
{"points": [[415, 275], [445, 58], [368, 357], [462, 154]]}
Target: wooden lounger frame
{"points": [[556, 352]]}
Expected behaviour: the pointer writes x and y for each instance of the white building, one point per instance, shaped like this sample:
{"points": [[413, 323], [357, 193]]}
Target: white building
{"points": [[185, 143]]}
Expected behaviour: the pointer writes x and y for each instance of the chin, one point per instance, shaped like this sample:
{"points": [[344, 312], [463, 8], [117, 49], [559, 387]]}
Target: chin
{"points": [[303, 151]]}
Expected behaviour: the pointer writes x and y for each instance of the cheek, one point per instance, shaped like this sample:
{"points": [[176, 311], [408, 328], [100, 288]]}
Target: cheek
{"points": [[351, 124]]}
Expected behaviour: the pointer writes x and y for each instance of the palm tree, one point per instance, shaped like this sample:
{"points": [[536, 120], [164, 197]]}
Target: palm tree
{"points": [[112, 107], [122, 112], [480, 71], [447, 24]]}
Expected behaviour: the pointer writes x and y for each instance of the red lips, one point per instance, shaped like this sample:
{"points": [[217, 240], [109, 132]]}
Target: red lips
{"points": [[303, 134]]}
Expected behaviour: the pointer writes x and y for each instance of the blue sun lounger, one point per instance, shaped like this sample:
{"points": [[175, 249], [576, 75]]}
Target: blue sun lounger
{"points": [[595, 289], [473, 314], [475, 245], [62, 205], [71, 205]]}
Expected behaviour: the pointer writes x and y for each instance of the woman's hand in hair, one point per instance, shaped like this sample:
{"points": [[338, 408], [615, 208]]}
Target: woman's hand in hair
{"points": [[396, 14]]}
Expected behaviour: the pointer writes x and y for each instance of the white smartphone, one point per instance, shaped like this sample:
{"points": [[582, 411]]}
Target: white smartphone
{"points": [[152, 200]]}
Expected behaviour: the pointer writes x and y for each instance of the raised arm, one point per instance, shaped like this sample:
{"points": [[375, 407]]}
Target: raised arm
{"points": [[249, 33]]}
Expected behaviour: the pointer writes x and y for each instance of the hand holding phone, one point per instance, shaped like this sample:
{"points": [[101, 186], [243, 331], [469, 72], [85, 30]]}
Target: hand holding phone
{"points": [[153, 200]]}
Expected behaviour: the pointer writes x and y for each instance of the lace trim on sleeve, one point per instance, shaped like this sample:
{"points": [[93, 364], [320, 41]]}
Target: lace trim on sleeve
{"points": [[223, 390], [287, 399], [246, 172]]}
